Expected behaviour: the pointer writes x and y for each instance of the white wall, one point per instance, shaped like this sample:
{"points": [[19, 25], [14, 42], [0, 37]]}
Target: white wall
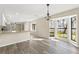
{"points": [[42, 28], [26, 26]]}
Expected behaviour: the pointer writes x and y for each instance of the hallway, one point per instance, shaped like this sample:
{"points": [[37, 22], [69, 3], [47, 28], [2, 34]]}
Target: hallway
{"points": [[39, 46]]}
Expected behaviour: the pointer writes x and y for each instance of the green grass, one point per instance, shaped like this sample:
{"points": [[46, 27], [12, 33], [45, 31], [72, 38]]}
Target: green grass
{"points": [[51, 34], [62, 35], [74, 36]]}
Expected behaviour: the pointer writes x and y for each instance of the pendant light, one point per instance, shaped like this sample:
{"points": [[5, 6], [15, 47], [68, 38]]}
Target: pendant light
{"points": [[47, 12]]}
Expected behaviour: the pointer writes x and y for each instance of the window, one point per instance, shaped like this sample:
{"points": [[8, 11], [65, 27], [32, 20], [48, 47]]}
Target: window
{"points": [[52, 28], [33, 27], [73, 29], [62, 28]]}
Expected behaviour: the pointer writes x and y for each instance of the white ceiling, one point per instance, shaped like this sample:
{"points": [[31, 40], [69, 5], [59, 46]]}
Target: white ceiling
{"points": [[28, 12], [63, 7]]}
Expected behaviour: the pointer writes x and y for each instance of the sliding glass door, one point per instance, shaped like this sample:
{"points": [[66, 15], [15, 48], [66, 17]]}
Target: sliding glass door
{"points": [[73, 28], [52, 28], [62, 28]]}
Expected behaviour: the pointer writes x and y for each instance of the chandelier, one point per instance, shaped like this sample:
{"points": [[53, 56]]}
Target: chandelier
{"points": [[47, 11]]}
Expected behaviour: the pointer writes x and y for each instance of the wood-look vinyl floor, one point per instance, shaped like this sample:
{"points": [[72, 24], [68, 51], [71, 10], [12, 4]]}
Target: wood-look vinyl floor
{"points": [[44, 46]]}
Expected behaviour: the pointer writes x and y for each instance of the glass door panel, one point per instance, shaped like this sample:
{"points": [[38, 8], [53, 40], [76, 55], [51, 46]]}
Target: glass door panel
{"points": [[52, 28], [73, 29], [62, 28]]}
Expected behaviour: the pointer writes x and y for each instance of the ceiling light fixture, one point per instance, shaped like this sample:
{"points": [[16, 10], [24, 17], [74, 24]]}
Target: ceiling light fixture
{"points": [[47, 11]]}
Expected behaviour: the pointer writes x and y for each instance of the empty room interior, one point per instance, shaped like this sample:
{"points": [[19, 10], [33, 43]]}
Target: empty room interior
{"points": [[39, 28]]}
